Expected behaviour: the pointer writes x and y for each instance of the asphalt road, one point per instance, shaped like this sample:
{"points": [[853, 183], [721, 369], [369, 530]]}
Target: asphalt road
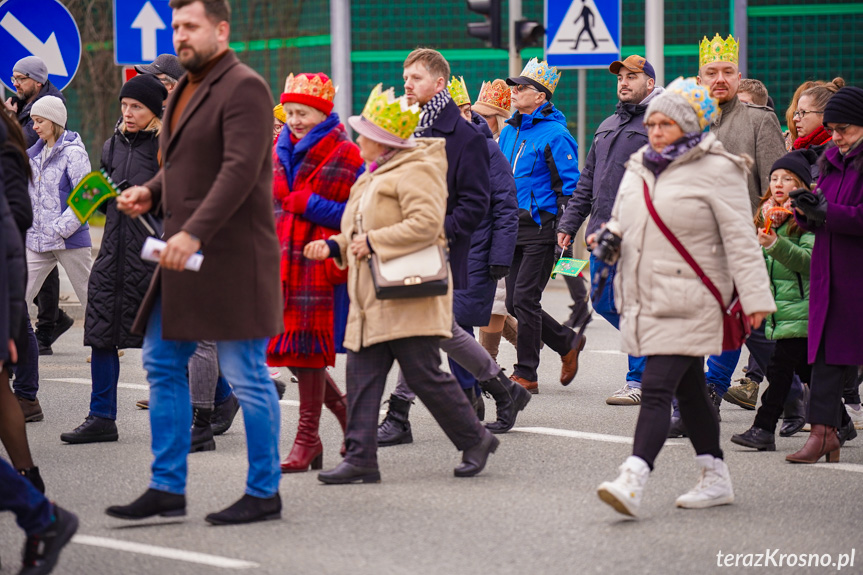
{"points": [[533, 510]]}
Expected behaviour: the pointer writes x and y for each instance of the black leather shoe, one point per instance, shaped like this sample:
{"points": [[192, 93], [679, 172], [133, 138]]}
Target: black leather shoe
{"points": [[153, 502], [676, 429], [42, 550], [846, 433], [224, 414], [93, 430], [473, 460], [346, 472], [202, 433], [794, 416], [756, 438], [395, 429], [715, 399], [64, 323], [249, 509], [32, 475], [791, 425], [509, 397]]}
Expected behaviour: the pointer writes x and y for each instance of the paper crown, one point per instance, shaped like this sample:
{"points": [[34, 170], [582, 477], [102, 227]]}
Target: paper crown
{"points": [[495, 95], [279, 114], [458, 91], [541, 73], [705, 106], [391, 114], [718, 50], [315, 90]]}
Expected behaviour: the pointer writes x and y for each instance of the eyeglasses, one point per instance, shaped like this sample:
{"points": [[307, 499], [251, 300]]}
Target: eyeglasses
{"points": [[523, 87], [838, 129], [802, 113], [663, 126], [787, 180], [18, 80]]}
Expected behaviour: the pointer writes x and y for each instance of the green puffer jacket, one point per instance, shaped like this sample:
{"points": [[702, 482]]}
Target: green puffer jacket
{"points": [[788, 266]]}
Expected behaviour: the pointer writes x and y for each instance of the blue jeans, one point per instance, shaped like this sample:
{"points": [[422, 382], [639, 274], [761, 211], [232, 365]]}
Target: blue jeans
{"points": [[244, 364], [105, 373], [26, 382], [604, 306], [720, 368], [33, 512]]}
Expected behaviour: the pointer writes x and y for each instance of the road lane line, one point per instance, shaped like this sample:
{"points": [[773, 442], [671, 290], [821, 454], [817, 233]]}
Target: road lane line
{"points": [[164, 552], [855, 467], [89, 382], [584, 435], [605, 351]]}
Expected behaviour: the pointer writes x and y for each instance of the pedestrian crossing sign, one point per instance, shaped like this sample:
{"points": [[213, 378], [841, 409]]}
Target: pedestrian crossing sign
{"points": [[582, 33]]}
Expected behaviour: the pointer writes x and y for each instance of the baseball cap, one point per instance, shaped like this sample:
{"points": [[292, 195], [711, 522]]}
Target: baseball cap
{"points": [[167, 64], [634, 63]]}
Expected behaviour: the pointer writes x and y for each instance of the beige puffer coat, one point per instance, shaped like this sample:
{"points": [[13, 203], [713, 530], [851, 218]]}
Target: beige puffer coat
{"points": [[703, 199], [404, 212]]}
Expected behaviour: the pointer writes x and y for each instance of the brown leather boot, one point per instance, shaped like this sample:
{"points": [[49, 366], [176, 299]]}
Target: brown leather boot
{"points": [[337, 402], [307, 450], [823, 440], [490, 342], [510, 330]]}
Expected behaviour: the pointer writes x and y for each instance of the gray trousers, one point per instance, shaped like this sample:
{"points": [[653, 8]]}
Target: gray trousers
{"points": [[466, 351], [77, 263], [204, 374]]}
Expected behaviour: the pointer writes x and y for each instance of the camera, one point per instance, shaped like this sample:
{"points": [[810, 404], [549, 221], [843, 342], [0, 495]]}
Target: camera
{"points": [[607, 247]]}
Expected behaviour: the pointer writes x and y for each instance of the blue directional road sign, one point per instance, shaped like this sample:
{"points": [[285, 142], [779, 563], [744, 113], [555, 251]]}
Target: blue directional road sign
{"points": [[582, 33], [43, 28], [142, 31]]}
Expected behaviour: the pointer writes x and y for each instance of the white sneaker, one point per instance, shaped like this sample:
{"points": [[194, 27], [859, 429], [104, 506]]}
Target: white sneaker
{"points": [[626, 395], [624, 493], [275, 372], [713, 487], [856, 416]]}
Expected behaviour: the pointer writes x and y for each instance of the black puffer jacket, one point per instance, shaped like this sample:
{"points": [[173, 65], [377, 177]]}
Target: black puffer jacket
{"points": [[120, 278], [13, 271]]}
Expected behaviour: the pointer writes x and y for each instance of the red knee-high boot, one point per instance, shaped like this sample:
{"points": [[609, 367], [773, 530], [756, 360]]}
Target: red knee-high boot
{"points": [[307, 450], [338, 404]]}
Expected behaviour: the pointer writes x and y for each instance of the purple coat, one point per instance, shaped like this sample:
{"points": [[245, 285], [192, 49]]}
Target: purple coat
{"points": [[835, 304]]}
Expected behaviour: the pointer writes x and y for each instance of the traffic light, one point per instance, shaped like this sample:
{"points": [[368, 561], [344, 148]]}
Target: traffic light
{"points": [[528, 34], [488, 31]]}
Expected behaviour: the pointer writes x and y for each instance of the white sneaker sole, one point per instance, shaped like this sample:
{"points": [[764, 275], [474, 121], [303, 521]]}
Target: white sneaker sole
{"points": [[616, 400], [608, 494], [705, 503]]}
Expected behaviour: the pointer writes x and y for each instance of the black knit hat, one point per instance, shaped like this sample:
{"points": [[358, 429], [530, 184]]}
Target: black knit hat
{"points": [[148, 90], [845, 107], [799, 163]]}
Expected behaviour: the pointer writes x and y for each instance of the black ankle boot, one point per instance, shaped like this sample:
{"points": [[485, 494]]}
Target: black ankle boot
{"points": [[345, 473], [756, 438], [715, 399], [224, 414], [152, 502], [202, 433], [32, 475], [395, 429], [249, 509], [476, 402], [509, 397], [93, 430], [474, 459]]}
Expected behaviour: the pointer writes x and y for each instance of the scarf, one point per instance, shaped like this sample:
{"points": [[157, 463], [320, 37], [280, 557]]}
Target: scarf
{"points": [[431, 111], [383, 159], [816, 138], [773, 211], [656, 162], [292, 152]]}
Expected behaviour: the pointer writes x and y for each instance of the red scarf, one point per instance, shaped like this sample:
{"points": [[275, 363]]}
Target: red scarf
{"points": [[816, 138]]}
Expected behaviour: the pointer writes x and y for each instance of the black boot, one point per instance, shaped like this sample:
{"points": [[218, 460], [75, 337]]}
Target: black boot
{"points": [[756, 438], [93, 430], [475, 401], [345, 473], [42, 550], [152, 502], [32, 475], [715, 398], [395, 429], [676, 429], [794, 416], [509, 397], [224, 414], [249, 509], [847, 432], [202, 432], [474, 459], [281, 388]]}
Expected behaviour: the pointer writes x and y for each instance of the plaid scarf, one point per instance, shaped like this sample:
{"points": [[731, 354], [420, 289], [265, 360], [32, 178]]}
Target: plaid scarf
{"points": [[431, 111], [656, 162], [770, 209], [308, 340]]}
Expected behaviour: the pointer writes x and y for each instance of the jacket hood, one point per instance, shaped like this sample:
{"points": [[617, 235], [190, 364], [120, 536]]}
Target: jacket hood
{"points": [[546, 113], [68, 139], [709, 144], [629, 110]]}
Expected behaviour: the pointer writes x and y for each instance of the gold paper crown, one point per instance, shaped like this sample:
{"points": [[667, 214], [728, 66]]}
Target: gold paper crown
{"points": [[540, 72], [311, 85], [392, 114], [458, 91], [718, 50], [495, 95]]}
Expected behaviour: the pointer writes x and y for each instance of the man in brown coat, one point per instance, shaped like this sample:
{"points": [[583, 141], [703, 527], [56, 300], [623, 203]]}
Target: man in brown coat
{"points": [[214, 191]]}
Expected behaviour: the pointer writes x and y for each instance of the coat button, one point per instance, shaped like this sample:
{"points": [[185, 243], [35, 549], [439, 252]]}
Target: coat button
{"points": [[167, 165], [168, 215]]}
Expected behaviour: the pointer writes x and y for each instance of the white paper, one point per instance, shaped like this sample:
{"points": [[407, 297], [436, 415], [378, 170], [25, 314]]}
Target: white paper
{"points": [[152, 251]]}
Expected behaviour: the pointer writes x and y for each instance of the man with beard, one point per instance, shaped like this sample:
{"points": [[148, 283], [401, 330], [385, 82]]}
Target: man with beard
{"points": [[215, 192], [30, 78], [617, 138]]}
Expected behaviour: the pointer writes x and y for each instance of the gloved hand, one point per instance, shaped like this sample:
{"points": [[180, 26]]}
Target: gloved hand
{"points": [[497, 273], [296, 201], [813, 206]]}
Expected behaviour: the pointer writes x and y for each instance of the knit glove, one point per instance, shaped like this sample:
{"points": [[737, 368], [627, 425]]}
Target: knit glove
{"points": [[813, 206], [296, 201], [497, 273]]}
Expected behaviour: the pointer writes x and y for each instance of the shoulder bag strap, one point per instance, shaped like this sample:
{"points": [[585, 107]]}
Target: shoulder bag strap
{"points": [[680, 249]]}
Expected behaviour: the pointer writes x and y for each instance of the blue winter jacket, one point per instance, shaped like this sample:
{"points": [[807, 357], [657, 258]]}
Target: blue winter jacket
{"points": [[493, 242], [544, 159]]}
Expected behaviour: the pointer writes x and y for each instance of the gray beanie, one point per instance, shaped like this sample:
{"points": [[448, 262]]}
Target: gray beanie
{"points": [[32, 67], [677, 108], [50, 108]]}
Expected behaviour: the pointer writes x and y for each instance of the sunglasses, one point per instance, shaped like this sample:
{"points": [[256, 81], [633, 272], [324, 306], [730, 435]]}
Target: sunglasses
{"points": [[523, 87]]}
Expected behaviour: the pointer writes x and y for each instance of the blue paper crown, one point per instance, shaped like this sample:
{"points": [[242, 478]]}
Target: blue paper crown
{"points": [[705, 106], [541, 73]]}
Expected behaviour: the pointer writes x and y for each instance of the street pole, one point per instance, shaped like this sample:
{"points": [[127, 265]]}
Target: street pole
{"points": [[340, 57], [741, 30], [582, 116], [514, 56], [654, 37]]}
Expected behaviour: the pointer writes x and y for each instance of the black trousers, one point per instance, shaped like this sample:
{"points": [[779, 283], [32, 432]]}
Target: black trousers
{"points": [[528, 276], [826, 387], [789, 357], [48, 303], [419, 359], [851, 393], [681, 376]]}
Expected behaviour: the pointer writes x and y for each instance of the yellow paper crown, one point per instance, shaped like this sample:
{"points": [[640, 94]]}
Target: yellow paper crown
{"points": [[718, 50], [458, 91], [392, 114], [279, 114], [540, 72]]}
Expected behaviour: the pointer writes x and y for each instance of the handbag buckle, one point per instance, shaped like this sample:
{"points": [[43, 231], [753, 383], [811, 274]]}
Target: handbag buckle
{"points": [[413, 280]]}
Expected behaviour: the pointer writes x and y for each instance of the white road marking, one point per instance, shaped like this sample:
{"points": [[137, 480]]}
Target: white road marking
{"points": [[857, 468], [165, 552], [583, 435], [606, 351], [89, 382]]}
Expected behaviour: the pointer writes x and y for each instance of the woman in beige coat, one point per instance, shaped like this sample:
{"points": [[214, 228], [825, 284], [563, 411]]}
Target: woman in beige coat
{"points": [[667, 314], [396, 208]]}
